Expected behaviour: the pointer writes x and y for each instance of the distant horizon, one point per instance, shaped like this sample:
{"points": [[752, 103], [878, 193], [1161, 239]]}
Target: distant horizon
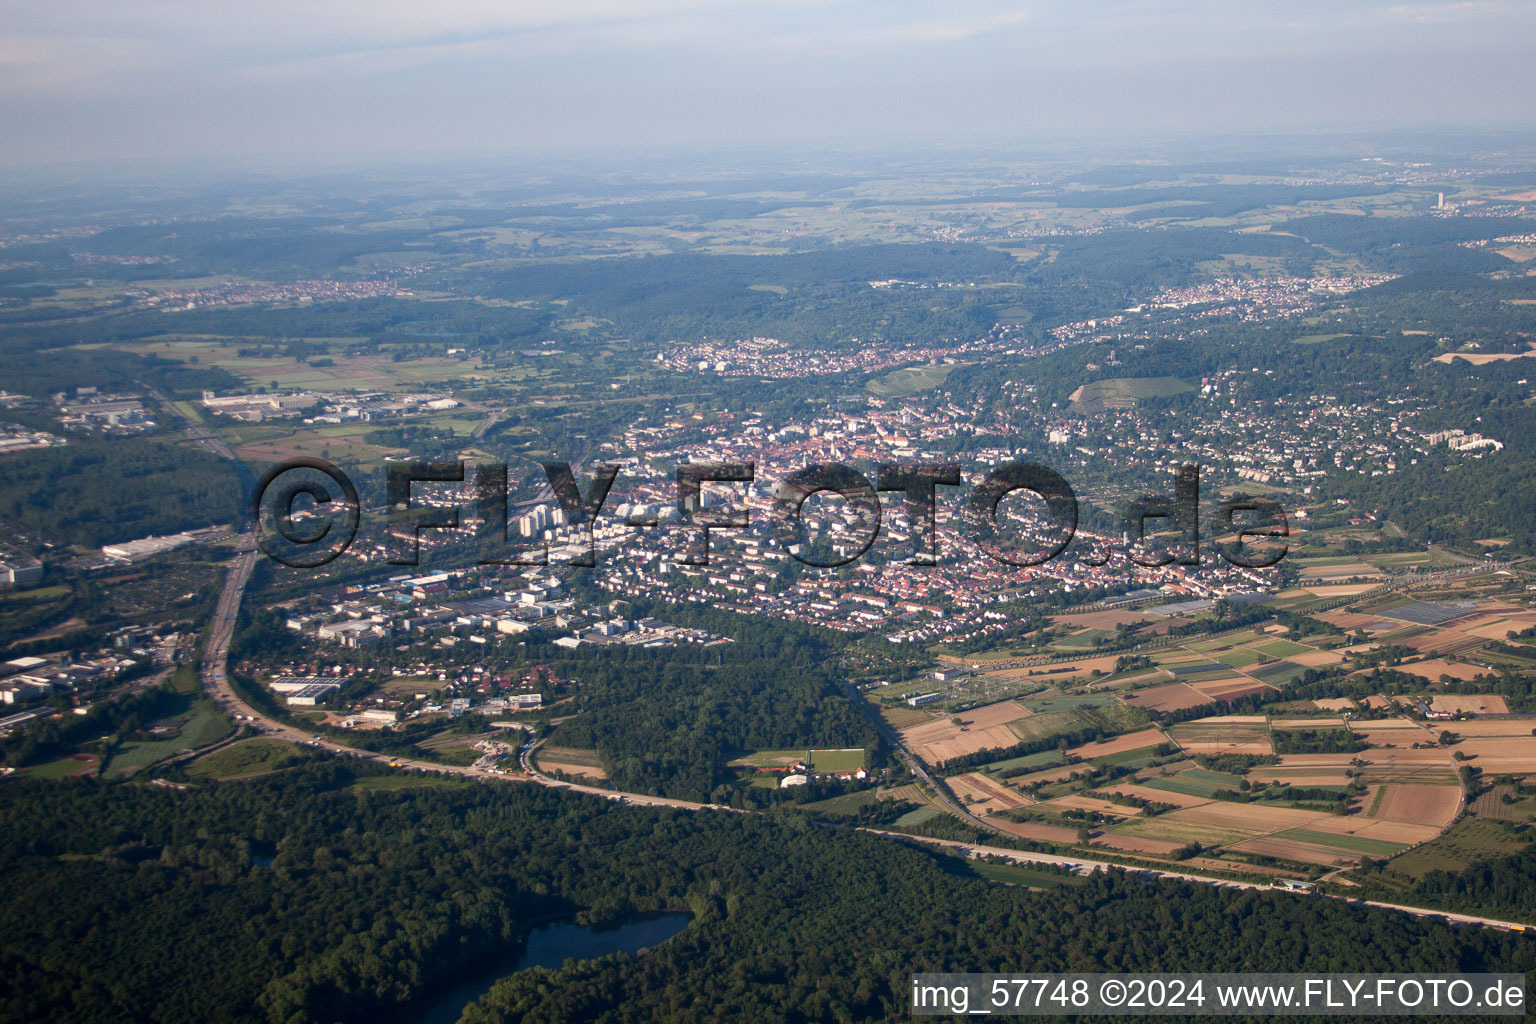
{"points": [[1188, 154], [344, 81]]}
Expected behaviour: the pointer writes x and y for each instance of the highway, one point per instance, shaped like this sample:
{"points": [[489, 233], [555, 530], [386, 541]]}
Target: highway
{"points": [[525, 761], [914, 763], [214, 672], [1082, 866], [195, 432]]}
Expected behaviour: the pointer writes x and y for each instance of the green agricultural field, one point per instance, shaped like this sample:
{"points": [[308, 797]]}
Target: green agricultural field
{"points": [[1352, 844], [1068, 702], [910, 381], [245, 758], [1134, 759], [820, 760], [1123, 392], [1468, 841], [1202, 672], [1515, 661], [1174, 831], [202, 726], [35, 594], [1135, 679], [184, 680], [1288, 774], [23, 611], [1281, 648], [1247, 636], [567, 755], [1016, 874], [1195, 782], [1085, 640], [452, 752], [1325, 560], [1032, 762], [1279, 673], [63, 768], [1398, 560], [1171, 657], [1223, 736], [845, 806], [1219, 779], [1428, 774], [1299, 601], [1238, 657], [342, 444], [1237, 264], [837, 760], [1044, 726], [1002, 653], [367, 372], [454, 424], [1116, 717], [771, 758], [917, 817]]}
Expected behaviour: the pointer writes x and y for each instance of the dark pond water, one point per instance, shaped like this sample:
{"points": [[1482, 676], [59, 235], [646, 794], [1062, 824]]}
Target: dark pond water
{"points": [[550, 945]]}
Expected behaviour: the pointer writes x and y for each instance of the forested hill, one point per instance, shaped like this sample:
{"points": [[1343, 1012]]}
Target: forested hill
{"points": [[667, 728], [136, 903]]}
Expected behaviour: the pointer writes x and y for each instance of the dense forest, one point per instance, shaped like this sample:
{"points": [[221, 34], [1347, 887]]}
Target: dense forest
{"points": [[820, 298], [316, 895], [29, 363], [97, 491], [662, 727], [1500, 886]]}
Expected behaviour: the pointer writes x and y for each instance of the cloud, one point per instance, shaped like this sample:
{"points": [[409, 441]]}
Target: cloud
{"points": [[1434, 12], [945, 30]]}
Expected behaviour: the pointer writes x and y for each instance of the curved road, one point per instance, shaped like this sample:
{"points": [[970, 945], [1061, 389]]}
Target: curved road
{"points": [[214, 672]]}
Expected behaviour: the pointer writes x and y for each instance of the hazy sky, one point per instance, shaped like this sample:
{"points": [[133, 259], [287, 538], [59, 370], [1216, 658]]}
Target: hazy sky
{"points": [[104, 79]]}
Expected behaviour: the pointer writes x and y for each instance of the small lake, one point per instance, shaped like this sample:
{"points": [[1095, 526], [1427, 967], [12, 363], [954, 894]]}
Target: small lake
{"points": [[550, 945]]}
